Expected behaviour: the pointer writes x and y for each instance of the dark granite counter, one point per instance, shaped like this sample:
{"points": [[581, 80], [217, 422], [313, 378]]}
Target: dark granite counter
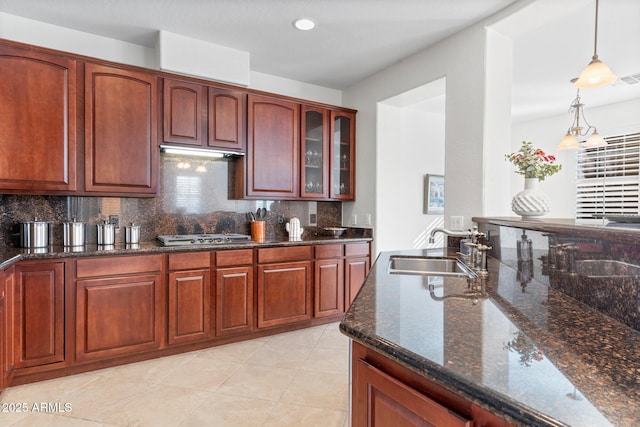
{"points": [[10, 255], [528, 353]]}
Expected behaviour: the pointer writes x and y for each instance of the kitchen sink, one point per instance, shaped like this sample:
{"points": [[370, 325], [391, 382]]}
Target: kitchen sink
{"points": [[432, 266]]}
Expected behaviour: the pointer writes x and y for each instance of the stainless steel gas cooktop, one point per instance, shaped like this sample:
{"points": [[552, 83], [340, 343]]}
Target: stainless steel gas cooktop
{"points": [[202, 239]]}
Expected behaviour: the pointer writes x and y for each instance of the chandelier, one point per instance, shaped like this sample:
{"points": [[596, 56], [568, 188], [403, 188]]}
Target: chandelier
{"points": [[578, 130]]}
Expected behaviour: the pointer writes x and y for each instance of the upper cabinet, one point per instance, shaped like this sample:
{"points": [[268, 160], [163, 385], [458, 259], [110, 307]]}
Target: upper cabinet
{"points": [[203, 116], [121, 120], [37, 121], [273, 148], [343, 155], [314, 173]]}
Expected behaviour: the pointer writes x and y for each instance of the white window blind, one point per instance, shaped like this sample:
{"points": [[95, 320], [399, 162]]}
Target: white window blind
{"points": [[608, 180]]}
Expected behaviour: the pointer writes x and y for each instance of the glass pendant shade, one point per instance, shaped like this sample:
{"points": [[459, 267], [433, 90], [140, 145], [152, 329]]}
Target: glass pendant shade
{"points": [[569, 142], [595, 140], [597, 73]]}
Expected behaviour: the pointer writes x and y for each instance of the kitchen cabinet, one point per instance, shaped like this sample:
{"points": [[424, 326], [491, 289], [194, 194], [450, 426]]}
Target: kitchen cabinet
{"points": [[38, 314], [357, 264], [273, 148], [4, 368], [234, 292], [284, 285], [314, 174], [121, 145], [37, 121], [328, 284], [6, 329], [385, 393], [342, 154], [119, 306], [203, 116], [189, 298]]}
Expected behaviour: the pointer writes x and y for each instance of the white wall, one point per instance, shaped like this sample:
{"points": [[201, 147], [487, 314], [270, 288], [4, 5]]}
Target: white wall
{"points": [[546, 134], [60, 38]]}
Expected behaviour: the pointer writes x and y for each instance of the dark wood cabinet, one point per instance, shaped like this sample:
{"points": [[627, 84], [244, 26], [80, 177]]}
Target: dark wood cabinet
{"points": [[121, 145], [328, 284], [119, 306], [314, 173], [273, 148], [357, 265], [343, 155], [234, 292], [386, 393], [37, 121], [203, 116], [38, 314], [284, 285], [189, 298], [4, 365]]}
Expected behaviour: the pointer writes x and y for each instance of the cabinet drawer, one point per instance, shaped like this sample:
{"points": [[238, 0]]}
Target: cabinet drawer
{"points": [[329, 251], [189, 260], [234, 258], [294, 253], [356, 249], [107, 265]]}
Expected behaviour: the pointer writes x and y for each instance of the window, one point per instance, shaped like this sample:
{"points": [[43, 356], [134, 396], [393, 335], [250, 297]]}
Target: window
{"points": [[608, 180]]}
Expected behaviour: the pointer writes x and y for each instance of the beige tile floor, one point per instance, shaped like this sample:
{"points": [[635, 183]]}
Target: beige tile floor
{"points": [[296, 379]]}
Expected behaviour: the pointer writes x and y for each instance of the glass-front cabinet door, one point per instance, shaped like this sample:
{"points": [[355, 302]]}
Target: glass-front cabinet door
{"points": [[315, 153], [342, 155]]}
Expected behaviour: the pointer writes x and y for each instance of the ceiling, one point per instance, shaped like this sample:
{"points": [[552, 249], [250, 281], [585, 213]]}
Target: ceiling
{"points": [[356, 38]]}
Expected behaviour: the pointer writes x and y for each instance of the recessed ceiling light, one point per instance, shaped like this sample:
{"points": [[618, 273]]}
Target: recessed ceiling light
{"points": [[304, 24]]}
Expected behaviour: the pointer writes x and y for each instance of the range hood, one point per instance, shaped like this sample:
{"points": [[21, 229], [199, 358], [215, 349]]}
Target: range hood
{"points": [[200, 152]]}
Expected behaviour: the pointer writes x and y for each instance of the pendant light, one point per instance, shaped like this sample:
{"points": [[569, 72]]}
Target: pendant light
{"points": [[597, 73], [570, 140]]}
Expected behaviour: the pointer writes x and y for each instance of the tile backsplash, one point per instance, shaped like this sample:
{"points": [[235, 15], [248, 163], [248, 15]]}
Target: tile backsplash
{"points": [[193, 198]]}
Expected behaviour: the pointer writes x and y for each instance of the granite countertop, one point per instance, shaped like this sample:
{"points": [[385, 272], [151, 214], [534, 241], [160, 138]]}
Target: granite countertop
{"points": [[527, 353], [11, 255]]}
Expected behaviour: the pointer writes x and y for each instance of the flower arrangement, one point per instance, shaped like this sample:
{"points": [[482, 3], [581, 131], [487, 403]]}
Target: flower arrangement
{"points": [[533, 162]]}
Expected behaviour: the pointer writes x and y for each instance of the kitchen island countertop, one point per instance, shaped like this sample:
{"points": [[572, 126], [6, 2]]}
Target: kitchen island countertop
{"points": [[525, 352]]}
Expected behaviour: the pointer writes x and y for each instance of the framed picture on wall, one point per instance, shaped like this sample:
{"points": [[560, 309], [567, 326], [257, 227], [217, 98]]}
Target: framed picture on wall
{"points": [[433, 194]]}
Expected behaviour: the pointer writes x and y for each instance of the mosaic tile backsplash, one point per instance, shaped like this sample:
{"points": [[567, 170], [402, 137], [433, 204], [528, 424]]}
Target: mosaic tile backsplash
{"points": [[193, 198]]}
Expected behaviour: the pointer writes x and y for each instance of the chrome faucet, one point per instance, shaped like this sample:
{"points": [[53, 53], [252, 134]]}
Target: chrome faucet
{"points": [[469, 234]]}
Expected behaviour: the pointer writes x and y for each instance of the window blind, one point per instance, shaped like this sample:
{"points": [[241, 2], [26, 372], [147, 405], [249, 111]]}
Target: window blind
{"points": [[608, 180]]}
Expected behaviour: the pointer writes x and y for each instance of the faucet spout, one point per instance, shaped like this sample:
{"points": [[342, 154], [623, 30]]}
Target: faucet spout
{"points": [[448, 233]]}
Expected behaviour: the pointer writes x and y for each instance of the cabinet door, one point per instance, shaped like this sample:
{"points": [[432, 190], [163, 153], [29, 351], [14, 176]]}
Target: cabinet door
{"points": [[356, 270], [183, 113], [3, 332], [314, 178], [343, 150], [37, 121], [39, 314], [226, 119], [284, 293], [189, 306], [381, 400], [121, 146], [7, 329], [329, 287], [118, 316], [234, 300], [273, 148]]}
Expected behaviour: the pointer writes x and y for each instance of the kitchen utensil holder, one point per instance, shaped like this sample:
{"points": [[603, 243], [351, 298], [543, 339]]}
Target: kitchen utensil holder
{"points": [[258, 231]]}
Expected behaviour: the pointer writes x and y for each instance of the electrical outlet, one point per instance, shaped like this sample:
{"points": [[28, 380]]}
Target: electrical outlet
{"points": [[313, 219], [354, 219], [280, 219], [115, 220], [367, 219], [457, 222]]}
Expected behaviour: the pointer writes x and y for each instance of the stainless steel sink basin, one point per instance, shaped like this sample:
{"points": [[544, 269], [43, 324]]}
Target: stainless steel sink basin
{"points": [[433, 266]]}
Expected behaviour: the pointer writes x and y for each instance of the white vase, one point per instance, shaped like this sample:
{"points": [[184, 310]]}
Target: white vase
{"points": [[531, 202]]}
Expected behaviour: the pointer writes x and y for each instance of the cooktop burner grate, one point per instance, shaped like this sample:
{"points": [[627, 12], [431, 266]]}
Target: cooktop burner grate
{"points": [[202, 239]]}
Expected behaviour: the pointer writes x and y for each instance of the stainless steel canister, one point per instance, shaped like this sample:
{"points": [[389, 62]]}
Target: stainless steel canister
{"points": [[132, 234], [106, 234], [35, 234], [73, 233]]}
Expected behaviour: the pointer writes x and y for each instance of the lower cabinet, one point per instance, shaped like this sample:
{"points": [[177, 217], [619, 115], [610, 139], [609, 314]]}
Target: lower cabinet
{"points": [[234, 292], [328, 284], [119, 306], [4, 369], [284, 285], [189, 298], [38, 314], [357, 264], [385, 393]]}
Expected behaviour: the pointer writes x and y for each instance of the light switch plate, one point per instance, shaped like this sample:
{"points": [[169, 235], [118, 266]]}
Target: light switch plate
{"points": [[457, 222]]}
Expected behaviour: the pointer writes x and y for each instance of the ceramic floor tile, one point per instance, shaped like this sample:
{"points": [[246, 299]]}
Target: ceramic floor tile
{"points": [[222, 410], [262, 382], [280, 354], [160, 406], [200, 374], [236, 352], [304, 338], [150, 371], [51, 420], [327, 360], [288, 415], [319, 390], [333, 338]]}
